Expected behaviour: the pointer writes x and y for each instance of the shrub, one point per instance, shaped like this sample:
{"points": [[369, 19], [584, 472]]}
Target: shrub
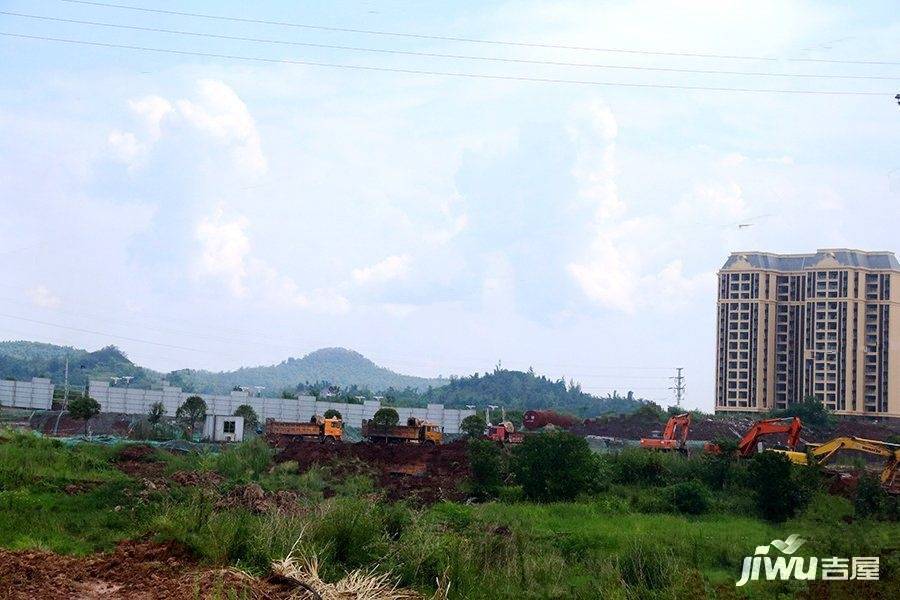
{"points": [[777, 492], [689, 497], [332, 413], [554, 466], [473, 426], [486, 464], [869, 496], [635, 466], [156, 413]]}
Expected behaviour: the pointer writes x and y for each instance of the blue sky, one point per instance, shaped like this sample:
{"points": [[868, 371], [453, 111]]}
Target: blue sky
{"points": [[211, 213]]}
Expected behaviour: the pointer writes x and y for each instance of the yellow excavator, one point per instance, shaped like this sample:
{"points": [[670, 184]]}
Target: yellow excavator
{"points": [[822, 453]]}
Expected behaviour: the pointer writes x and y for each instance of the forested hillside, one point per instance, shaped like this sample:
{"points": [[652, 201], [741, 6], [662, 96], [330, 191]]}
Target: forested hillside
{"points": [[24, 360], [518, 390]]}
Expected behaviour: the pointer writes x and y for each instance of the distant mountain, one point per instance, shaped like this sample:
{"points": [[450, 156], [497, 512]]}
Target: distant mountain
{"points": [[24, 360], [337, 366], [522, 390]]}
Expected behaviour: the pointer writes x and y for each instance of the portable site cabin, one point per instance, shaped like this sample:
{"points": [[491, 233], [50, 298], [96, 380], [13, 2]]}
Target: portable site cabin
{"points": [[219, 428]]}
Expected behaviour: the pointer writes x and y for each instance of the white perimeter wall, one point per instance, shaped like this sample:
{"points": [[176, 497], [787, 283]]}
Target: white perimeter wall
{"points": [[36, 394], [137, 401]]}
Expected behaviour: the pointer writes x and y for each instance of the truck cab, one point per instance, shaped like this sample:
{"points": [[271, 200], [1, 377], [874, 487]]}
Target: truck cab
{"points": [[432, 433], [332, 429]]}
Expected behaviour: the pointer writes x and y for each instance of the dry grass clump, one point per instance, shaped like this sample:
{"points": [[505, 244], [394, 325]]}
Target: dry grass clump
{"points": [[303, 567]]}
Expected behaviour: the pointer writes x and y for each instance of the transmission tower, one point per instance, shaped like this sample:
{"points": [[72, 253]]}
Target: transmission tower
{"points": [[679, 386]]}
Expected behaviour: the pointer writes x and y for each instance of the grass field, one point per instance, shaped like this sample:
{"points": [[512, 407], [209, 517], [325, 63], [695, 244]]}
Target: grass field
{"points": [[75, 500]]}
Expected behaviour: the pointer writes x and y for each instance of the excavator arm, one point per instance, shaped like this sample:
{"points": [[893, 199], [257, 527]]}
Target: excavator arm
{"points": [[825, 452], [791, 426]]}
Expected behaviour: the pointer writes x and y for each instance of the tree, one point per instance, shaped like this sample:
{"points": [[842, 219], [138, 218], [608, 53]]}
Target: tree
{"points": [[473, 426], [193, 410], [156, 413], [385, 417], [811, 411], [251, 419], [84, 409], [332, 413], [554, 466]]}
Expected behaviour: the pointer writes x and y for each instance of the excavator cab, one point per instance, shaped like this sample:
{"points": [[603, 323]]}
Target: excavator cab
{"points": [[674, 436]]}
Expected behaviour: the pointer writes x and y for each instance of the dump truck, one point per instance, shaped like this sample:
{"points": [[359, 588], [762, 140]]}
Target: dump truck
{"points": [[415, 431], [317, 429], [504, 433]]}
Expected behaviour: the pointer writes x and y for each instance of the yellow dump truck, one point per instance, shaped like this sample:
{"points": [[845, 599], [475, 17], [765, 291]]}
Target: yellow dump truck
{"points": [[414, 432], [281, 433]]}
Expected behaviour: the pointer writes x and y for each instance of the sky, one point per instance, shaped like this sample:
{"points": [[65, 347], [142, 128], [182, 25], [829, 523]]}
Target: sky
{"points": [[209, 212]]}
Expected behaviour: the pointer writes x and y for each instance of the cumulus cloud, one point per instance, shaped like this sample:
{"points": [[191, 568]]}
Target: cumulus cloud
{"points": [[226, 254], [221, 113], [42, 296], [392, 267], [217, 112], [628, 260]]}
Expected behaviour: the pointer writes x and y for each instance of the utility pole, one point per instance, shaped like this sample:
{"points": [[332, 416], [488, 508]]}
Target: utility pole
{"points": [[679, 386], [66, 392]]}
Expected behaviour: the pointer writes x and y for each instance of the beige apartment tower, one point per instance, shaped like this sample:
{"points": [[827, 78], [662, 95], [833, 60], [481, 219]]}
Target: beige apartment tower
{"points": [[796, 325]]}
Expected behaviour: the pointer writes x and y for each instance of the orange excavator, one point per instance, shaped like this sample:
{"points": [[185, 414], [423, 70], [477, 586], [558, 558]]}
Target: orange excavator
{"points": [[674, 435], [748, 444]]}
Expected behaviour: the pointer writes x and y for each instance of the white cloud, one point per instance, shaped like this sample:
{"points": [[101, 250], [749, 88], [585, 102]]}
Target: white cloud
{"points": [[152, 110], [125, 146], [42, 296], [221, 113], [594, 134], [225, 249], [392, 267], [217, 112], [226, 254]]}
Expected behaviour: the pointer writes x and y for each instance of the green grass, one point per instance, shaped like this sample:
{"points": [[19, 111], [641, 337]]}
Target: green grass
{"points": [[626, 542]]}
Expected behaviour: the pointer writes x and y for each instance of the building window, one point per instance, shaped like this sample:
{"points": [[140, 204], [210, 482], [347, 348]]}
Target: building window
{"points": [[228, 427]]}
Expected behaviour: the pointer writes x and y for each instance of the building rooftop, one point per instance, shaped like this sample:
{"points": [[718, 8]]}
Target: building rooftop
{"points": [[824, 258]]}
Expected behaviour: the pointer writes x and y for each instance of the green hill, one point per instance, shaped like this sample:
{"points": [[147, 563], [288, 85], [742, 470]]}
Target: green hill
{"points": [[337, 366], [519, 390], [24, 360]]}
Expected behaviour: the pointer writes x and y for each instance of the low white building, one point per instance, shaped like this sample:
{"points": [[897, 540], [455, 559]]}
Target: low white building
{"points": [[220, 428]]}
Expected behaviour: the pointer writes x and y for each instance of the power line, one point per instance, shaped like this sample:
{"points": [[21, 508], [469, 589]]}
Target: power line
{"points": [[466, 39], [91, 331], [442, 73], [442, 55]]}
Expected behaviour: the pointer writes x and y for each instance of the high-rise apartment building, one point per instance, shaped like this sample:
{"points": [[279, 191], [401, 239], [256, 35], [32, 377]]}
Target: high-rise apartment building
{"points": [[796, 325]]}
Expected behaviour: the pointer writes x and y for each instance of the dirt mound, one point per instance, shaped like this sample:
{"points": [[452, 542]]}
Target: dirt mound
{"points": [[137, 453], [420, 474], [134, 571], [252, 497], [637, 426], [204, 479]]}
